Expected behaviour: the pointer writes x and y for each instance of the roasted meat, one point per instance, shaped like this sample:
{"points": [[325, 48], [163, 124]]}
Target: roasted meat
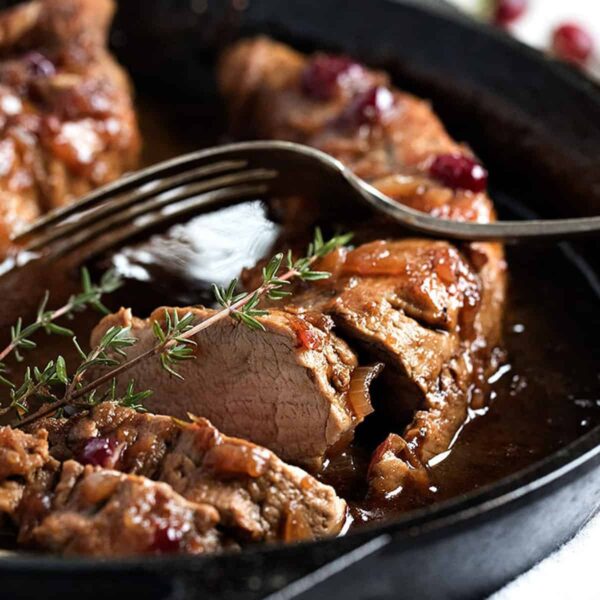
{"points": [[386, 136], [71, 509], [116, 482], [286, 388], [66, 117], [257, 496], [430, 310]]}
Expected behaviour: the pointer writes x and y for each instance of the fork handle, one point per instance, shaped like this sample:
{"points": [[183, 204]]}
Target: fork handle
{"points": [[501, 231]]}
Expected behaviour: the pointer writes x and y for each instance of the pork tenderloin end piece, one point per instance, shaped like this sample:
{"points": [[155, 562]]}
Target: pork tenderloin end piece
{"points": [[286, 388]]}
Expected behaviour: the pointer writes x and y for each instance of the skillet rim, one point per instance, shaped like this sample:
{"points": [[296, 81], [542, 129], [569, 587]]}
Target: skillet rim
{"points": [[521, 486]]}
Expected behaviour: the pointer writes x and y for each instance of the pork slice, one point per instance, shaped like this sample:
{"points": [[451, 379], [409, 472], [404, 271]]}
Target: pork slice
{"points": [[258, 496], [423, 309], [286, 388], [410, 303], [77, 510], [71, 509]]}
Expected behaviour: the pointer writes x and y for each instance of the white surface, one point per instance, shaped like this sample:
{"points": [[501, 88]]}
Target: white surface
{"points": [[571, 572], [574, 570], [542, 16], [536, 25]]}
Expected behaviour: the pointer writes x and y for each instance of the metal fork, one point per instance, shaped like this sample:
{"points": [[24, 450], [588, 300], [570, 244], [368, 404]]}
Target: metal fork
{"points": [[202, 181]]}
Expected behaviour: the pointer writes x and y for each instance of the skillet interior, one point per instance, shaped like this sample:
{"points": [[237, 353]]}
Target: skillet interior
{"points": [[544, 159]]}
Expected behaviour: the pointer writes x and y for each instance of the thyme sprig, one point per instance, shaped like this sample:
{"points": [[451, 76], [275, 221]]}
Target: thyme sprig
{"points": [[244, 306], [175, 346], [46, 385], [173, 338], [90, 296]]}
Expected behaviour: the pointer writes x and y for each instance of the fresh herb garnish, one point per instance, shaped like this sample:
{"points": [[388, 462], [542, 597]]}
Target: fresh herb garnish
{"points": [[173, 339]]}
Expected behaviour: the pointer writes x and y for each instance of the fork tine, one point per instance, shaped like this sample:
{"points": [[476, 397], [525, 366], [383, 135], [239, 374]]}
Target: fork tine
{"points": [[145, 183], [182, 208], [93, 223]]}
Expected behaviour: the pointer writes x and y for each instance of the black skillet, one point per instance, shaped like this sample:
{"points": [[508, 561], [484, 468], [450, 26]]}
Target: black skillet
{"points": [[537, 124]]}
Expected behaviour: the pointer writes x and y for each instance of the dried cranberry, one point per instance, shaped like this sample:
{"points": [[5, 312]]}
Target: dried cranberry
{"points": [[167, 539], [323, 76], [38, 65], [458, 171], [572, 43], [99, 452], [368, 107], [508, 11]]}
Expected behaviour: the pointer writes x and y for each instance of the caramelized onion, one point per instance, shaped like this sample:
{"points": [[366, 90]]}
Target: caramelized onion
{"points": [[333, 262], [358, 391], [233, 460]]}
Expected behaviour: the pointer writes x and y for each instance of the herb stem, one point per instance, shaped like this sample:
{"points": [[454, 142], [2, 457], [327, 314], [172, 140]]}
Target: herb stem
{"points": [[179, 331], [59, 312], [154, 351]]}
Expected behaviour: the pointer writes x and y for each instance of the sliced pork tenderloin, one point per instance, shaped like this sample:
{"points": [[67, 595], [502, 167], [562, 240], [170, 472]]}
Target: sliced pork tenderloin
{"points": [[420, 307], [287, 388], [258, 496], [71, 509], [396, 142]]}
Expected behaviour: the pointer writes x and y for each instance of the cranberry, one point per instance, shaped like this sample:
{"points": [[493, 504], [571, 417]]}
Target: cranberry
{"points": [[167, 539], [38, 65], [572, 43], [323, 76], [508, 11], [99, 452], [368, 107], [458, 171]]}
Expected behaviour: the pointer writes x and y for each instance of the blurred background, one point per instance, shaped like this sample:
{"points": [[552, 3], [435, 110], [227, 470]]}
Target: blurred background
{"points": [[569, 29]]}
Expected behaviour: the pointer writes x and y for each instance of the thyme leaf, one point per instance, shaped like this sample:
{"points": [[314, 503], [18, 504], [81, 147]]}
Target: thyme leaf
{"points": [[173, 336]]}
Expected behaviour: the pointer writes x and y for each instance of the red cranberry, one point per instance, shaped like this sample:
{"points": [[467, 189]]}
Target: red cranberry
{"points": [[167, 539], [368, 107], [458, 171], [38, 65], [572, 43], [323, 76], [99, 452], [508, 11]]}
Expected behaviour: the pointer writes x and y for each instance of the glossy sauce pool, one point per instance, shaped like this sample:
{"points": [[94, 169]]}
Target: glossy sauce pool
{"points": [[545, 395]]}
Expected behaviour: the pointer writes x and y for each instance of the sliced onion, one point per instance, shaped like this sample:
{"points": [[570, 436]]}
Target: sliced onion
{"points": [[233, 460], [358, 390]]}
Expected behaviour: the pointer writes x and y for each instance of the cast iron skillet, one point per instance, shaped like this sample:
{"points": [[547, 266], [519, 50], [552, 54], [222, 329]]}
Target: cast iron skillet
{"points": [[537, 124]]}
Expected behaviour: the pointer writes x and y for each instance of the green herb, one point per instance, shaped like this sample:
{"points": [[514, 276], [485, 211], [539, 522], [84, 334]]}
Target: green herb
{"points": [[90, 296], [173, 338], [244, 307]]}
